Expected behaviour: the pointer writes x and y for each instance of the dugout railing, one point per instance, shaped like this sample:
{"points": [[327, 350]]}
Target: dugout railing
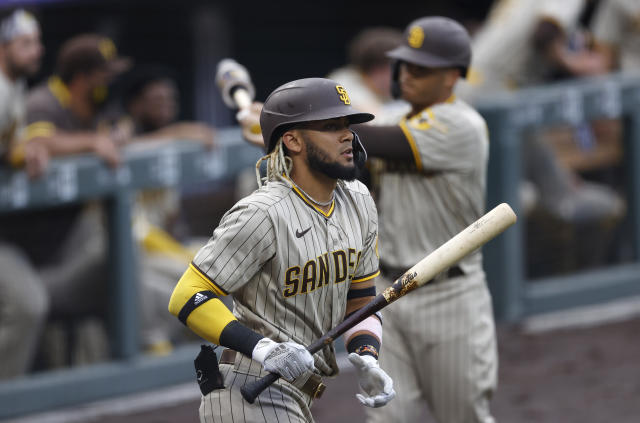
{"points": [[508, 117], [86, 178]]}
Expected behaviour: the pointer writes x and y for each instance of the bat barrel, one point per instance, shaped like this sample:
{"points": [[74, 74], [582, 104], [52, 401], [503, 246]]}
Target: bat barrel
{"points": [[474, 236], [471, 238]]}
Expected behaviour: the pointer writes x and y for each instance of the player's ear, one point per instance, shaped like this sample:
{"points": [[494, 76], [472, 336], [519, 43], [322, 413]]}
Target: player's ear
{"points": [[292, 140], [451, 77]]}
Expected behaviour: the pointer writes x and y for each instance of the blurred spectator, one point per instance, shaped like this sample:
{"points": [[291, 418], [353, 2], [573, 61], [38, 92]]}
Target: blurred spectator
{"points": [[68, 243], [531, 42], [524, 43], [616, 29], [23, 299], [367, 77], [151, 103], [21, 54], [64, 112]]}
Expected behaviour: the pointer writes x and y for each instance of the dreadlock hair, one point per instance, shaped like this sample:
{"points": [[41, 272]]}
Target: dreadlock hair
{"points": [[278, 166]]}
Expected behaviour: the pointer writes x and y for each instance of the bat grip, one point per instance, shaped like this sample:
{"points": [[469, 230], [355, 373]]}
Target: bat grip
{"points": [[250, 391]]}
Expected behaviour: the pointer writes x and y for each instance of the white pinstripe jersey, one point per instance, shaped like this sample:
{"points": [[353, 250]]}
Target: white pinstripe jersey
{"points": [[12, 112], [617, 22], [419, 211], [289, 265]]}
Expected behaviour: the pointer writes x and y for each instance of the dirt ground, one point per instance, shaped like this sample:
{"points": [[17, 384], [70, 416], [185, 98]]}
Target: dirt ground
{"points": [[587, 375]]}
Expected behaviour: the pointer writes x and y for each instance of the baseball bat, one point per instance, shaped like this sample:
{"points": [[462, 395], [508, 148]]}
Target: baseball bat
{"points": [[236, 87], [474, 236]]}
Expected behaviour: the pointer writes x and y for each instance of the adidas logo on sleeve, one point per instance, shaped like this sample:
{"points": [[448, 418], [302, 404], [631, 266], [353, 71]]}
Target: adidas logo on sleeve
{"points": [[199, 297]]}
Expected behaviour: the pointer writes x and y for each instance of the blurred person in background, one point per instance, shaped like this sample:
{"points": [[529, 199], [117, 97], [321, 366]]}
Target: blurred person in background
{"points": [[441, 348], [152, 105], [367, 76], [524, 43], [64, 112], [23, 298], [616, 29], [68, 243], [151, 109]]}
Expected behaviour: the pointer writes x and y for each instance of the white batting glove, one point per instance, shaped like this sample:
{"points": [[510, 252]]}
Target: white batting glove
{"points": [[249, 120], [373, 380], [288, 359]]}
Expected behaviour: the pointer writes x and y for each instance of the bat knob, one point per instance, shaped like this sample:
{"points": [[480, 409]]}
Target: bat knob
{"points": [[231, 77]]}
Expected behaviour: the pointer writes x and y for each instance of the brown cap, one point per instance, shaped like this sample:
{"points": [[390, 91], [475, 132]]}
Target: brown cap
{"points": [[435, 42], [87, 52], [305, 100]]}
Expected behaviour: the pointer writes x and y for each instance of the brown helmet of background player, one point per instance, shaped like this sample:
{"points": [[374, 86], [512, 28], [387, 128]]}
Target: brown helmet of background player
{"points": [[432, 42], [306, 100]]}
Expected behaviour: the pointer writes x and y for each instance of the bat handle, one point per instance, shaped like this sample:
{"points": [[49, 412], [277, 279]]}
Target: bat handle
{"points": [[250, 391], [242, 97]]}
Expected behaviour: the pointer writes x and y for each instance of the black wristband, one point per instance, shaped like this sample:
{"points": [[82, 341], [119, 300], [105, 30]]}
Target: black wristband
{"points": [[364, 345], [239, 337]]}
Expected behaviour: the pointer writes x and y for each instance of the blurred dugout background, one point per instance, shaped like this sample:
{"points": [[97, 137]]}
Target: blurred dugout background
{"points": [[290, 40], [281, 41], [277, 42]]}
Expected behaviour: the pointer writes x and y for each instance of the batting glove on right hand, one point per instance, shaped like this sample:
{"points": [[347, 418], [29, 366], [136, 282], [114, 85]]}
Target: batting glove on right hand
{"points": [[373, 380], [288, 359]]}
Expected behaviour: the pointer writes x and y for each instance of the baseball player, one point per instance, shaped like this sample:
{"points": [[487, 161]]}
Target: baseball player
{"points": [[298, 255], [520, 44], [441, 350], [24, 302], [616, 29]]}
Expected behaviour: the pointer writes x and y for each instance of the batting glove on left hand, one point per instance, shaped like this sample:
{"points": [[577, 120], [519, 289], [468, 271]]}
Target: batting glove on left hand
{"points": [[288, 359], [373, 380]]}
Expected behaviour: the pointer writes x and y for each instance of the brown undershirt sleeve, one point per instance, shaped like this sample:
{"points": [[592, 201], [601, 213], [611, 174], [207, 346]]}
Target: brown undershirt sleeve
{"points": [[384, 142]]}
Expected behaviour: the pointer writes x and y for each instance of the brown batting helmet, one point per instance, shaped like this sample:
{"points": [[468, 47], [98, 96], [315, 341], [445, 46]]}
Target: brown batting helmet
{"points": [[433, 42], [306, 100]]}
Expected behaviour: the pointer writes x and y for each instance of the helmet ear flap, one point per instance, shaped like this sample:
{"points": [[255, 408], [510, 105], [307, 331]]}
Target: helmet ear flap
{"points": [[359, 153], [395, 76]]}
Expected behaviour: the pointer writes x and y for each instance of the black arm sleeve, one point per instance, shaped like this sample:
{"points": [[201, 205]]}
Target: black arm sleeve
{"points": [[385, 142]]}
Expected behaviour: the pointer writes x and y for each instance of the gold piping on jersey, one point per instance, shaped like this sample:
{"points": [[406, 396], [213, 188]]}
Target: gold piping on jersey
{"points": [[16, 154], [59, 90], [422, 125], [319, 210], [39, 129], [366, 277], [217, 289], [412, 143]]}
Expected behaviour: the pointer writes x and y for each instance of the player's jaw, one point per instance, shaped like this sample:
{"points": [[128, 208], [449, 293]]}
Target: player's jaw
{"points": [[421, 86], [24, 55], [331, 156]]}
